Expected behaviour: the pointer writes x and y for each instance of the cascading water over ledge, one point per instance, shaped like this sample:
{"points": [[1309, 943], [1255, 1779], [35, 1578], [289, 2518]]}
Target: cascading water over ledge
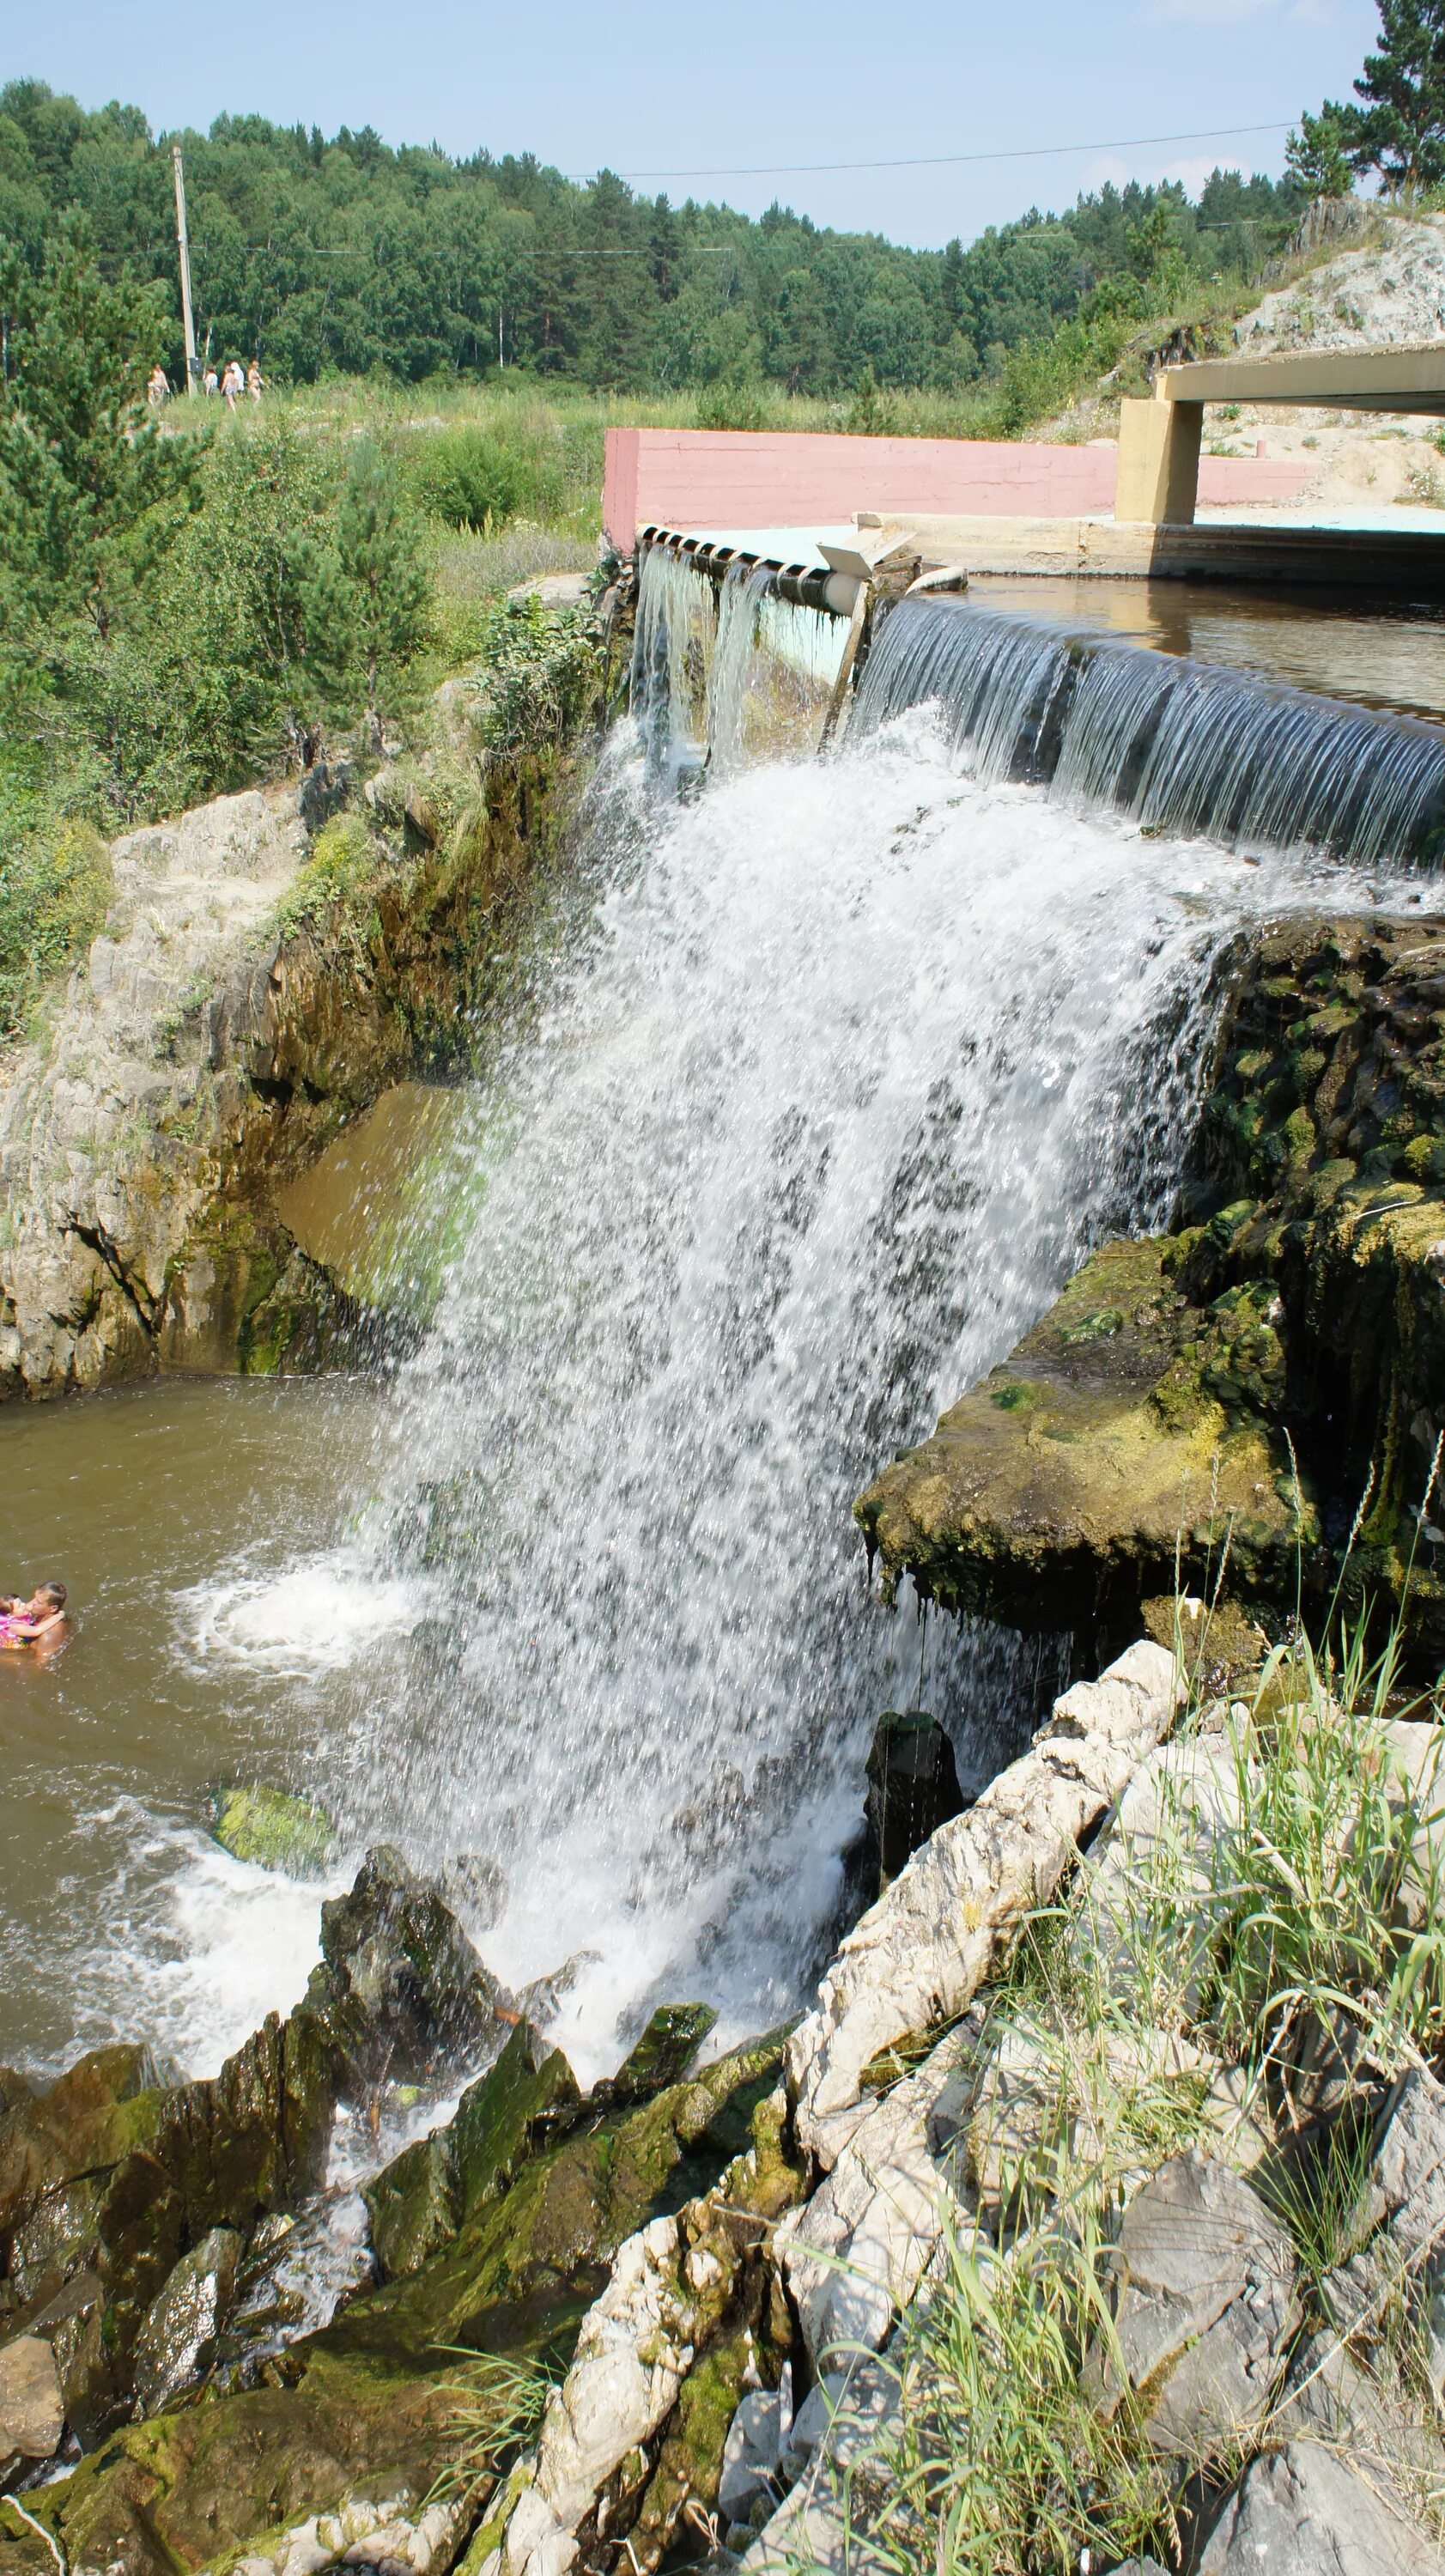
{"points": [[1181, 747], [821, 1084]]}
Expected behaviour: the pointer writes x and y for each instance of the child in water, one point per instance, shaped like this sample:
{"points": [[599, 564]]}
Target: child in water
{"points": [[40, 1621]]}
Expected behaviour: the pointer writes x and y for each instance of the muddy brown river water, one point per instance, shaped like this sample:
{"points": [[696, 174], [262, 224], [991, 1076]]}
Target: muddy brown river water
{"points": [[170, 1510]]}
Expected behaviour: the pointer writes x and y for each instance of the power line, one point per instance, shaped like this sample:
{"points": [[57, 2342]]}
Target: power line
{"points": [[955, 160]]}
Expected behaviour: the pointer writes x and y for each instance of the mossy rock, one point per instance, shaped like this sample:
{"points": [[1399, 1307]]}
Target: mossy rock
{"points": [[1309, 1283], [274, 1830], [663, 2053], [400, 1987], [191, 2489], [418, 2203], [524, 2267], [102, 2107], [1048, 1512]]}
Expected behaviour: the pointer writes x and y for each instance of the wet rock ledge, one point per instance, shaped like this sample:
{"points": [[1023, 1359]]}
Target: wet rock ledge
{"points": [[735, 2271], [1253, 1375], [157, 2290]]}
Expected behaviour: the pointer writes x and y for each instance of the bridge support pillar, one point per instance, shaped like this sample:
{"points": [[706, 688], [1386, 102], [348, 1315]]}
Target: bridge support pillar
{"points": [[1157, 480]]}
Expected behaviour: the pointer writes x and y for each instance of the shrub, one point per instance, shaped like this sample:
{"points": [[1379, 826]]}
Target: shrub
{"points": [[469, 479], [343, 862], [539, 667]]}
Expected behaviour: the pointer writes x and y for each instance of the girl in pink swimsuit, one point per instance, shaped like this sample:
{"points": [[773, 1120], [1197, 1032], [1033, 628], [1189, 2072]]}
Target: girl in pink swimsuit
{"points": [[28, 1623]]}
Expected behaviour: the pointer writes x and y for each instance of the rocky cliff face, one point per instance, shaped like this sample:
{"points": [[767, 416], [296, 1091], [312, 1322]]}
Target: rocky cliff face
{"points": [[1388, 292], [244, 999]]}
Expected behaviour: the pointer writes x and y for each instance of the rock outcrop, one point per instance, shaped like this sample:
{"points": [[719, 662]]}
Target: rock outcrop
{"points": [[267, 968], [1301, 1306], [921, 1953]]}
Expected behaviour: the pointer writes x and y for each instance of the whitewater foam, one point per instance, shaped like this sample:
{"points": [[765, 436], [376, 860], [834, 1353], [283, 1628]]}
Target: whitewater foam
{"points": [[852, 1064], [310, 1618]]}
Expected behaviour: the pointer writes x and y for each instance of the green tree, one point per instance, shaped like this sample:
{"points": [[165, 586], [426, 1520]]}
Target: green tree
{"points": [[382, 569], [1321, 154], [1402, 131], [79, 463], [252, 623]]}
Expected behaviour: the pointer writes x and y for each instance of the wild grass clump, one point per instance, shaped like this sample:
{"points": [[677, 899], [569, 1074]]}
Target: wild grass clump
{"points": [[1267, 1952], [1003, 2465], [1327, 1934], [496, 2403]]}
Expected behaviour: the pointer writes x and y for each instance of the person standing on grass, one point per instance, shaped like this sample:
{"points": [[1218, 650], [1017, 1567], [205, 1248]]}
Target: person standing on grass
{"points": [[212, 382], [253, 380], [158, 387], [233, 383]]}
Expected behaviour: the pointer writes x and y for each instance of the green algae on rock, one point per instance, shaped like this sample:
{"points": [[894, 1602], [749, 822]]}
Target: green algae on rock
{"points": [[524, 2266], [254, 1822], [1303, 1306], [368, 2405], [1058, 1488], [418, 2202], [663, 2053], [195, 2487]]}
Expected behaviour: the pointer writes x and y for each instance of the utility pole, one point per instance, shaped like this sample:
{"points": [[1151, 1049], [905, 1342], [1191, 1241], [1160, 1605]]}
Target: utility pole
{"points": [[184, 248]]}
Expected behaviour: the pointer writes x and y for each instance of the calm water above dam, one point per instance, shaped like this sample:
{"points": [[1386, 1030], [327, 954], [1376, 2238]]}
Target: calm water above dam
{"points": [[840, 1075]]}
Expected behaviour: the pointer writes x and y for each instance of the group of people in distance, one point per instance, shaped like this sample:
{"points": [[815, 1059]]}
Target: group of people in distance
{"points": [[39, 1622], [230, 384]]}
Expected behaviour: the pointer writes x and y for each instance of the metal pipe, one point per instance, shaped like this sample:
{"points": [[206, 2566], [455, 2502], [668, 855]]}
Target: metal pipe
{"points": [[805, 585]]}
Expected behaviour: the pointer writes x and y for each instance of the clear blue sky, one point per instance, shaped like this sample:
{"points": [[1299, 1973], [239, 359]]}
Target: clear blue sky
{"points": [[647, 88]]}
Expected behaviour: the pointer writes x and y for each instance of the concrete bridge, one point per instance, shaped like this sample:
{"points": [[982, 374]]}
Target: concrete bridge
{"points": [[1160, 472]]}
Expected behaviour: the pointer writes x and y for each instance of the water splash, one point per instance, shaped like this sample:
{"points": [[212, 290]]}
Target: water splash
{"points": [[1179, 746], [852, 1062]]}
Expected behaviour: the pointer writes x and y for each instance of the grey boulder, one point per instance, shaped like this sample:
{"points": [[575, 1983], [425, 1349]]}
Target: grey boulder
{"points": [[1206, 2302], [1302, 2512], [751, 2455]]}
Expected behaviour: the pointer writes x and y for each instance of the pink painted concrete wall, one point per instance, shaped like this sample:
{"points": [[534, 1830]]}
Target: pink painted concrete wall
{"points": [[726, 478]]}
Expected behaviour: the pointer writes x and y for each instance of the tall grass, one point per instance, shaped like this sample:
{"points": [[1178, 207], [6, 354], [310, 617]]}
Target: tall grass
{"points": [[1286, 1920]]}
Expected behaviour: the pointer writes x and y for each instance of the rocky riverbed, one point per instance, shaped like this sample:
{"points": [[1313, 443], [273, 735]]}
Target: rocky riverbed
{"points": [[736, 2273]]}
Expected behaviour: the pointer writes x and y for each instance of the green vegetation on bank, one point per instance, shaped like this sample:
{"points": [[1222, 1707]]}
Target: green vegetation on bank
{"points": [[189, 605]]}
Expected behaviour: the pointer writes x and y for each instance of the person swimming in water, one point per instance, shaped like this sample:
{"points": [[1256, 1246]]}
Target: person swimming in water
{"points": [[40, 1621]]}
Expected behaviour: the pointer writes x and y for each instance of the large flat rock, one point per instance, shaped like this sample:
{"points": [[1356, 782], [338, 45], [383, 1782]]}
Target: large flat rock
{"points": [[1062, 1482]]}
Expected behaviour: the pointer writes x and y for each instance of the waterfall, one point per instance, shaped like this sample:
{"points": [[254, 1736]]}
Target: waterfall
{"points": [[720, 678], [829, 1088], [672, 656], [1178, 746]]}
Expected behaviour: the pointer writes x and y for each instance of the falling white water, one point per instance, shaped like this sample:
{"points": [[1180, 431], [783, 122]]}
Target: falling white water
{"points": [[849, 1065], [1180, 746]]}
